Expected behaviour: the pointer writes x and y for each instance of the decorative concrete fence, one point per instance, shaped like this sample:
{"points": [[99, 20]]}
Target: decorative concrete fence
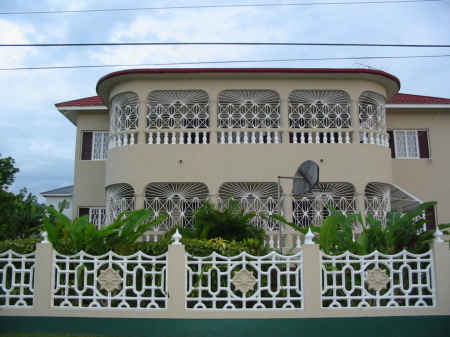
{"points": [[178, 285]]}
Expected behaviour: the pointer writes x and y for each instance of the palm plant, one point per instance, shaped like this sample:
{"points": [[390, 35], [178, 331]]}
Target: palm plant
{"points": [[229, 221]]}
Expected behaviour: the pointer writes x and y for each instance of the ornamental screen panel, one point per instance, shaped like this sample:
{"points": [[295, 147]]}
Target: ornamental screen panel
{"points": [[249, 109], [378, 200], [178, 200], [119, 198], [254, 197], [319, 109], [124, 112], [310, 209], [170, 109], [372, 111]]}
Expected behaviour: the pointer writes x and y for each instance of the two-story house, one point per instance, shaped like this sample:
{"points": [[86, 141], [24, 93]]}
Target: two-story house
{"points": [[169, 139]]}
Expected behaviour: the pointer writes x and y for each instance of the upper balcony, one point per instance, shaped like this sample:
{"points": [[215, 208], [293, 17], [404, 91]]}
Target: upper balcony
{"points": [[192, 117]]}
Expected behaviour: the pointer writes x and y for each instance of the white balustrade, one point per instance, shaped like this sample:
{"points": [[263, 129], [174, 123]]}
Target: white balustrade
{"points": [[122, 139], [177, 137], [375, 138], [255, 137], [320, 137]]}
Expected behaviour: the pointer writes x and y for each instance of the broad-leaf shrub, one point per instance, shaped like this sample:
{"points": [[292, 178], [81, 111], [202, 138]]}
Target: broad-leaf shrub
{"points": [[402, 231], [80, 234]]}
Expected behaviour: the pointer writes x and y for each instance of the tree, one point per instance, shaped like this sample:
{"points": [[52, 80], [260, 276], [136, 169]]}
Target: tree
{"points": [[20, 213], [7, 172]]}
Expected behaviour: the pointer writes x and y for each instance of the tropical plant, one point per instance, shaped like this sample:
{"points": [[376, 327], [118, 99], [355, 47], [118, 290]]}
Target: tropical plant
{"points": [[402, 231], [83, 235], [229, 222]]}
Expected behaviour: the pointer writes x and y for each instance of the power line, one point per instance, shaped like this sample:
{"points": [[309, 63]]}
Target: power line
{"points": [[227, 62], [110, 44], [218, 6]]}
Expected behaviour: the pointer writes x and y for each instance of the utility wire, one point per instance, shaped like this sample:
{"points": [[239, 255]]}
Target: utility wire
{"points": [[218, 6], [226, 62], [225, 44]]}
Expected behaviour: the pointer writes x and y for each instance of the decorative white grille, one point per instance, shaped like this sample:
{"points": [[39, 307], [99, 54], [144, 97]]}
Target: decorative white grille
{"points": [[254, 197], [97, 216], [249, 109], [310, 208], [406, 144], [178, 109], [179, 200], [100, 145], [279, 282], [82, 280], [119, 198], [124, 112], [17, 279], [372, 111], [378, 200], [405, 280], [319, 109]]}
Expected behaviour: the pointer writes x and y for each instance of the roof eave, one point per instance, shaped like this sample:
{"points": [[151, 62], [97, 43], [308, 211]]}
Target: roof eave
{"points": [[71, 111], [418, 106]]}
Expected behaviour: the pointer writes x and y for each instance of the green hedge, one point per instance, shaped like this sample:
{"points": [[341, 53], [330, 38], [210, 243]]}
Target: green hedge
{"points": [[23, 246], [193, 246]]}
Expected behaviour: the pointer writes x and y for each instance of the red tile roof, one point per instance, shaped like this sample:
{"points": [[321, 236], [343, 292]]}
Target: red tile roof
{"points": [[416, 99], [88, 101], [397, 99]]}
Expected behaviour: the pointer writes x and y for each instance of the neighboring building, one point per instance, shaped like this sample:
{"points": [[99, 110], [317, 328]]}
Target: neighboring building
{"points": [[56, 198], [169, 139]]}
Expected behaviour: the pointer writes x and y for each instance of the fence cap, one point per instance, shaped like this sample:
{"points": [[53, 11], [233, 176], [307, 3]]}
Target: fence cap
{"points": [[176, 237]]}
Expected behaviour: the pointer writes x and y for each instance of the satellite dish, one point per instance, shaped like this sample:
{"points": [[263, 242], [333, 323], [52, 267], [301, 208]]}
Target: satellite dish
{"points": [[309, 174]]}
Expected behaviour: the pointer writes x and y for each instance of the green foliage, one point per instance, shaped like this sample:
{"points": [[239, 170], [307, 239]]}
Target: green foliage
{"points": [[402, 231], [20, 213], [80, 234], [22, 246], [230, 222], [223, 247]]}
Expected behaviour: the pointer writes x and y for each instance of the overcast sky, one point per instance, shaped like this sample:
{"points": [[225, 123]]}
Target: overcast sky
{"points": [[42, 141]]}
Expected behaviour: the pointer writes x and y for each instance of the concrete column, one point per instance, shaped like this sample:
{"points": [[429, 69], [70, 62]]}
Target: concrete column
{"points": [[142, 123], [176, 276], [289, 232], [43, 278], [442, 275], [213, 121], [284, 120], [312, 279], [360, 207], [355, 120]]}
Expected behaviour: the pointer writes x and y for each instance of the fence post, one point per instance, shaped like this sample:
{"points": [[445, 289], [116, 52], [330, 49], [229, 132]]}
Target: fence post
{"points": [[312, 284], [441, 257], [43, 278], [176, 277]]}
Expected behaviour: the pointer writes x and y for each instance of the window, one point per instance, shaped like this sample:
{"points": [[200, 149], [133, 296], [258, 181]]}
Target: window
{"points": [[67, 206], [409, 144], [94, 145], [97, 215]]}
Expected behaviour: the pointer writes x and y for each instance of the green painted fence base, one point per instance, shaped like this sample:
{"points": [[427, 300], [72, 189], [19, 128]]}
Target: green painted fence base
{"points": [[411, 326]]}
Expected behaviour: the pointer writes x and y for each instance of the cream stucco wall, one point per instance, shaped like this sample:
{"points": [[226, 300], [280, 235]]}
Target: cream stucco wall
{"points": [[214, 164], [429, 180], [89, 177]]}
